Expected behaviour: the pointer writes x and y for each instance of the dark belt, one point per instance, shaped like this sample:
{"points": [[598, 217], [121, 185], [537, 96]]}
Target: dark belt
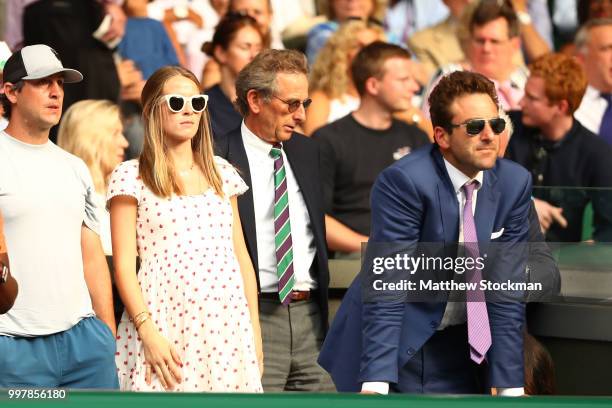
{"points": [[295, 295]]}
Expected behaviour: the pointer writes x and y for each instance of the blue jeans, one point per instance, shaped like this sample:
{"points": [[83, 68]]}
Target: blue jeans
{"points": [[80, 357]]}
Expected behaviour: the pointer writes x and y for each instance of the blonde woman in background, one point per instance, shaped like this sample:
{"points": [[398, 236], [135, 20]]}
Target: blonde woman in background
{"points": [[191, 320], [331, 87], [92, 130], [337, 13]]}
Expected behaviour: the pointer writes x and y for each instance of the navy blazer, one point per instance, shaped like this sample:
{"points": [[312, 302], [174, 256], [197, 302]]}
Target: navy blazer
{"points": [[303, 156], [414, 201]]}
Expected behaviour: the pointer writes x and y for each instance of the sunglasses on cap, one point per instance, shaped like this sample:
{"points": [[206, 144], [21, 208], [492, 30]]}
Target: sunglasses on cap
{"points": [[294, 104], [473, 127], [176, 103], [238, 15], [368, 20]]}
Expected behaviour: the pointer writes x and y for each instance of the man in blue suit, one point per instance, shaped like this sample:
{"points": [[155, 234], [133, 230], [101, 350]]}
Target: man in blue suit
{"points": [[441, 347]]}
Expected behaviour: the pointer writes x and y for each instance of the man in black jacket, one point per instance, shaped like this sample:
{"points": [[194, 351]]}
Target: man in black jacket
{"points": [[560, 152], [282, 217], [541, 265]]}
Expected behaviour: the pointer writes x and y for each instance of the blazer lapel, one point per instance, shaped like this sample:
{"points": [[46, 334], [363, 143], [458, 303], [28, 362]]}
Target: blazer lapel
{"points": [[486, 207], [300, 171], [449, 212], [237, 156], [449, 206]]}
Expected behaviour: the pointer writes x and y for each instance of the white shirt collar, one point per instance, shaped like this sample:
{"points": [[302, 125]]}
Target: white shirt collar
{"points": [[459, 179], [592, 94], [255, 143]]}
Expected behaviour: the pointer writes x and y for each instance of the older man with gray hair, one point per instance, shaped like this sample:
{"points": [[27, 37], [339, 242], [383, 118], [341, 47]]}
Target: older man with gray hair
{"points": [[594, 47], [282, 217]]}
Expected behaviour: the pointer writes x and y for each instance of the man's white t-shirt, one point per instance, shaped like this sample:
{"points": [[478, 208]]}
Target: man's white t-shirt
{"points": [[46, 195]]}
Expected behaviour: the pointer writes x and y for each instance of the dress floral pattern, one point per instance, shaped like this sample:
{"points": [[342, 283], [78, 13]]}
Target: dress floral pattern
{"points": [[191, 282]]}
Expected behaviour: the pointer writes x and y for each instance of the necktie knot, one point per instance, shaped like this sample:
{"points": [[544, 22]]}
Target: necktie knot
{"points": [[276, 150], [468, 189]]}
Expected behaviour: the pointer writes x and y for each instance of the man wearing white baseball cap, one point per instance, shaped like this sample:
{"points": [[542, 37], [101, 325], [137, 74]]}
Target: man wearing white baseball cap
{"points": [[61, 330]]}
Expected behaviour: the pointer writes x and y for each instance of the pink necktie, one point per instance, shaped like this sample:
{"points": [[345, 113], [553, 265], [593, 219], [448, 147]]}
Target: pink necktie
{"points": [[506, 92], [479, 332]]}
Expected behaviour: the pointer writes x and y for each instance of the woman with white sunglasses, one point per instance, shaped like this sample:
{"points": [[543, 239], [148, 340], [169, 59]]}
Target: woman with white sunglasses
{"points": [[191, 321]]}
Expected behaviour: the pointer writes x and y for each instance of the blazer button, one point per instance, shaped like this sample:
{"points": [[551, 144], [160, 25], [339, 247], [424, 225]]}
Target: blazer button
{"points": [[434, 325], [410, 350]]}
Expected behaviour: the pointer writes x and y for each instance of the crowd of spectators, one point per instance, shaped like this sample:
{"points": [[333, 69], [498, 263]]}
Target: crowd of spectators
{"points": [[361, 98]]}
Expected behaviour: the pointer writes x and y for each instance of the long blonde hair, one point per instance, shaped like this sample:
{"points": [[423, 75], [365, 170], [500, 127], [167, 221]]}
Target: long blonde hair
{"points": [[84, 132], [330, 71], [157, 169]]}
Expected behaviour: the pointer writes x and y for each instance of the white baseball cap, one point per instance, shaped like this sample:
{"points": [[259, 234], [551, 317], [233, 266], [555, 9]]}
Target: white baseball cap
{"points": [[35, 62]]}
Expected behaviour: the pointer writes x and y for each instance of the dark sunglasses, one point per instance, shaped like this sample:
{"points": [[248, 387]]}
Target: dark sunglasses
{"points": [[369, 20], [473, 127], [176, 103], [238, 15], [294, 104]]}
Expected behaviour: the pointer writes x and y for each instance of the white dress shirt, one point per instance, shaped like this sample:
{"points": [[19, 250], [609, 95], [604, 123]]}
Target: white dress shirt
{"points": [[455, 312], [261, 165], [591, 110], [513, 88]]}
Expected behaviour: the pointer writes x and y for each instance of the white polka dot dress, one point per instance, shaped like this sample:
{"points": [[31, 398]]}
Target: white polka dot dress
{"points": [[191, 282]]}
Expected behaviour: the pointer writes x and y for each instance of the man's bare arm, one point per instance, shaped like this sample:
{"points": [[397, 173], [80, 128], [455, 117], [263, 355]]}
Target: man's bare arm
{"points": [[97, 277], [341, 238]]}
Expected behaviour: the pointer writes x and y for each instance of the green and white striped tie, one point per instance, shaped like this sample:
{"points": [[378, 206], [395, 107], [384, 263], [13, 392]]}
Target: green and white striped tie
{"points": [[282, 228]]}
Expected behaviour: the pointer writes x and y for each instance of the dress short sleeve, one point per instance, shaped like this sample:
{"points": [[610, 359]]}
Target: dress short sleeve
{"points": [[124, 181], [232, 182]]}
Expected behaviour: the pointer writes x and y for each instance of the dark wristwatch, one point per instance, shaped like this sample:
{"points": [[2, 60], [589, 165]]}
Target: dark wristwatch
{"points": [[4, 273]]}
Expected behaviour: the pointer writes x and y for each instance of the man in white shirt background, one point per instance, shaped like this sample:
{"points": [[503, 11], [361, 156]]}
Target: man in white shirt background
{"points": [[594, 50]]}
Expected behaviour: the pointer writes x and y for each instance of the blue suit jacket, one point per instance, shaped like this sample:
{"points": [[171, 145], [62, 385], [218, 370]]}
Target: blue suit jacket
{"points": [[414, 201]]}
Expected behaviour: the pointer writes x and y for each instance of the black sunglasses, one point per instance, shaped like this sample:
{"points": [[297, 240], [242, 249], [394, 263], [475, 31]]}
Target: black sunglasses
{"points": [[238, 15], [369, 20], [473, 127], [294, 104]]}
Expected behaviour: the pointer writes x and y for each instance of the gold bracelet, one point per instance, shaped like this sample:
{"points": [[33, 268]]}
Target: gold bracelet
{"points": [[140, 318], [138, 315], [141, 321]]}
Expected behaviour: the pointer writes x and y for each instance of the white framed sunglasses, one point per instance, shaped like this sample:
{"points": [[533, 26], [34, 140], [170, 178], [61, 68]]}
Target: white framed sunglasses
{"points": [[176, 103]]}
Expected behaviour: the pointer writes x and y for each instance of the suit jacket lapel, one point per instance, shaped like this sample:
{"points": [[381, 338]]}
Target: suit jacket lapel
{"points": [[299, 171], [237, 156], [486, 207], [449, 212], [449, 207]]}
